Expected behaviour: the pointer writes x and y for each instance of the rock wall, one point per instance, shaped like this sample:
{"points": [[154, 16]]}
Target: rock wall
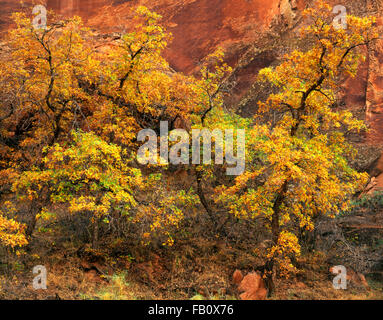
{"points": [[83, 8]]}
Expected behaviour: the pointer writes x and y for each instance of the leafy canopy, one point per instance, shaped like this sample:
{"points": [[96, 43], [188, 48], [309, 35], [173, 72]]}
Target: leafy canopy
{"points": [[298, 168]]}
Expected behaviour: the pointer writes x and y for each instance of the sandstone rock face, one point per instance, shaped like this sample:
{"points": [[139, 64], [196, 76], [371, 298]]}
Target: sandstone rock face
{"points": [[198, 26], [83, 8], [7, 7]]}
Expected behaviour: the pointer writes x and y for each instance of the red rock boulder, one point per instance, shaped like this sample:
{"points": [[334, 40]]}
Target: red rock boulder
{"points": [[252, 286]]}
